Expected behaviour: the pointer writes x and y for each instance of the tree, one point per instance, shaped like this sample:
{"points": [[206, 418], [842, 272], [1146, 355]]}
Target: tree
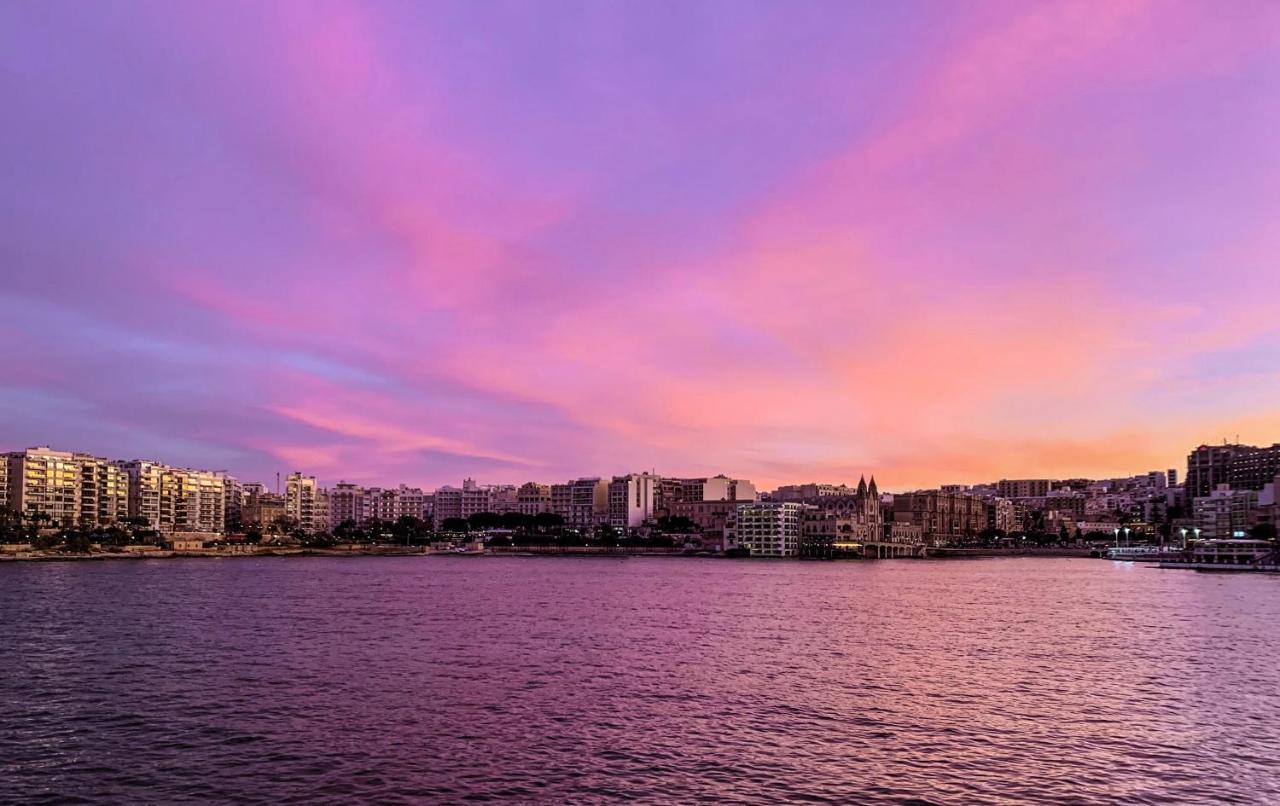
{"points": [[455, 525], [484, 520], [677, 524], [548, 520], [409, 529], [77, 541]]}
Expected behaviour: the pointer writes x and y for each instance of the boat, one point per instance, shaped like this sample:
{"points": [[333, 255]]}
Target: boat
{"points": [[1140, 553], [1228, 555]]}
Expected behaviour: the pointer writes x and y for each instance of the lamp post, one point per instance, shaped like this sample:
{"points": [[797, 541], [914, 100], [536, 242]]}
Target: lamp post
{"points": [[1184, 538], [1197, 531], [1117, 534], [1126, 536]]}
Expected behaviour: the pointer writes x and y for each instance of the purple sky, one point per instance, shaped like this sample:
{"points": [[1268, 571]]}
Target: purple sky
{"points": [[411, 241]]}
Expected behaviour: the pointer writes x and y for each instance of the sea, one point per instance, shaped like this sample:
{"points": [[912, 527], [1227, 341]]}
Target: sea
{"points": [[677, 680]]}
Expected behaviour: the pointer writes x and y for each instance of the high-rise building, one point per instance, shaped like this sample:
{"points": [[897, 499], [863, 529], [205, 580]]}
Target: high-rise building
{"points": [[302, 503], [232, 502], [1209, 466], [1254, 469], [4, 482], [631, 500], [104, 491], [42, 481], [588, 503]]}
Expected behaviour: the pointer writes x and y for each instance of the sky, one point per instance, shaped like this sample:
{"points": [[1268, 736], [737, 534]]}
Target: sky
{"points": [[788, 241]]}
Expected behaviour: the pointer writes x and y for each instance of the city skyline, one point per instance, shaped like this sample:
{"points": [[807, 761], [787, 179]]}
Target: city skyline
{"points": [[412, 243]]}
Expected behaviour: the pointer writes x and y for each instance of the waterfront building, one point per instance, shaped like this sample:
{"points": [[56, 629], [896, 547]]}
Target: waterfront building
{"points": [[631, 500], [454, 502], [766, 528], [1024, 488], [941, 517], [562, 500], [1225, 513], [261, 508], [588, 503], [303, 503], [347, 504], [1269, 503], [173, 499], [4, 482], [42, 481], [232, 502], [533, 498], [104, 491]]}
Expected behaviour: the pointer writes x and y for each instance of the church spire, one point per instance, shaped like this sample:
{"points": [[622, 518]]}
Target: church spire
{"points": [[862, 485]]}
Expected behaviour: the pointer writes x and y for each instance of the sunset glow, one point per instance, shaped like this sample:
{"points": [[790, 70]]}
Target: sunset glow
{"points": [[411, 242]]}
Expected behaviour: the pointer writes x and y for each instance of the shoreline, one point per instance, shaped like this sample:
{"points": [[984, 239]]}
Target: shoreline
{"points": [[513, 551]]}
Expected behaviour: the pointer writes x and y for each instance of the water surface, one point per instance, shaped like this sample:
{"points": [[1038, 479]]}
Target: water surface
{"points": [[309, 680]]}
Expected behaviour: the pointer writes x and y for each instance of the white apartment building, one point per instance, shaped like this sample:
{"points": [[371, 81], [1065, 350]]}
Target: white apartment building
{"points": [[304, 503], [631, 500], [766, 528]]}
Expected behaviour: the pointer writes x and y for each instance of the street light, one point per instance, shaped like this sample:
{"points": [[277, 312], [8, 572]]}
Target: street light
{"points": [[1184, 538], [1117, 533], [1126, 535]]}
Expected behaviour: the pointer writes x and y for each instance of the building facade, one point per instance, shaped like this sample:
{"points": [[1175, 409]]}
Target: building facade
{"points": [[941, 517], [766, 528], [631, 500]]}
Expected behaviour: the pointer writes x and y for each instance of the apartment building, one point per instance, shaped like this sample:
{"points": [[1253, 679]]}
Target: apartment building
{"points": [[46, 482], [304, 503], [767, 528], [533, 498], [631, 500], [104, 491], [1226, 513], [454, 502], [588, 503], [1024, 488]]}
